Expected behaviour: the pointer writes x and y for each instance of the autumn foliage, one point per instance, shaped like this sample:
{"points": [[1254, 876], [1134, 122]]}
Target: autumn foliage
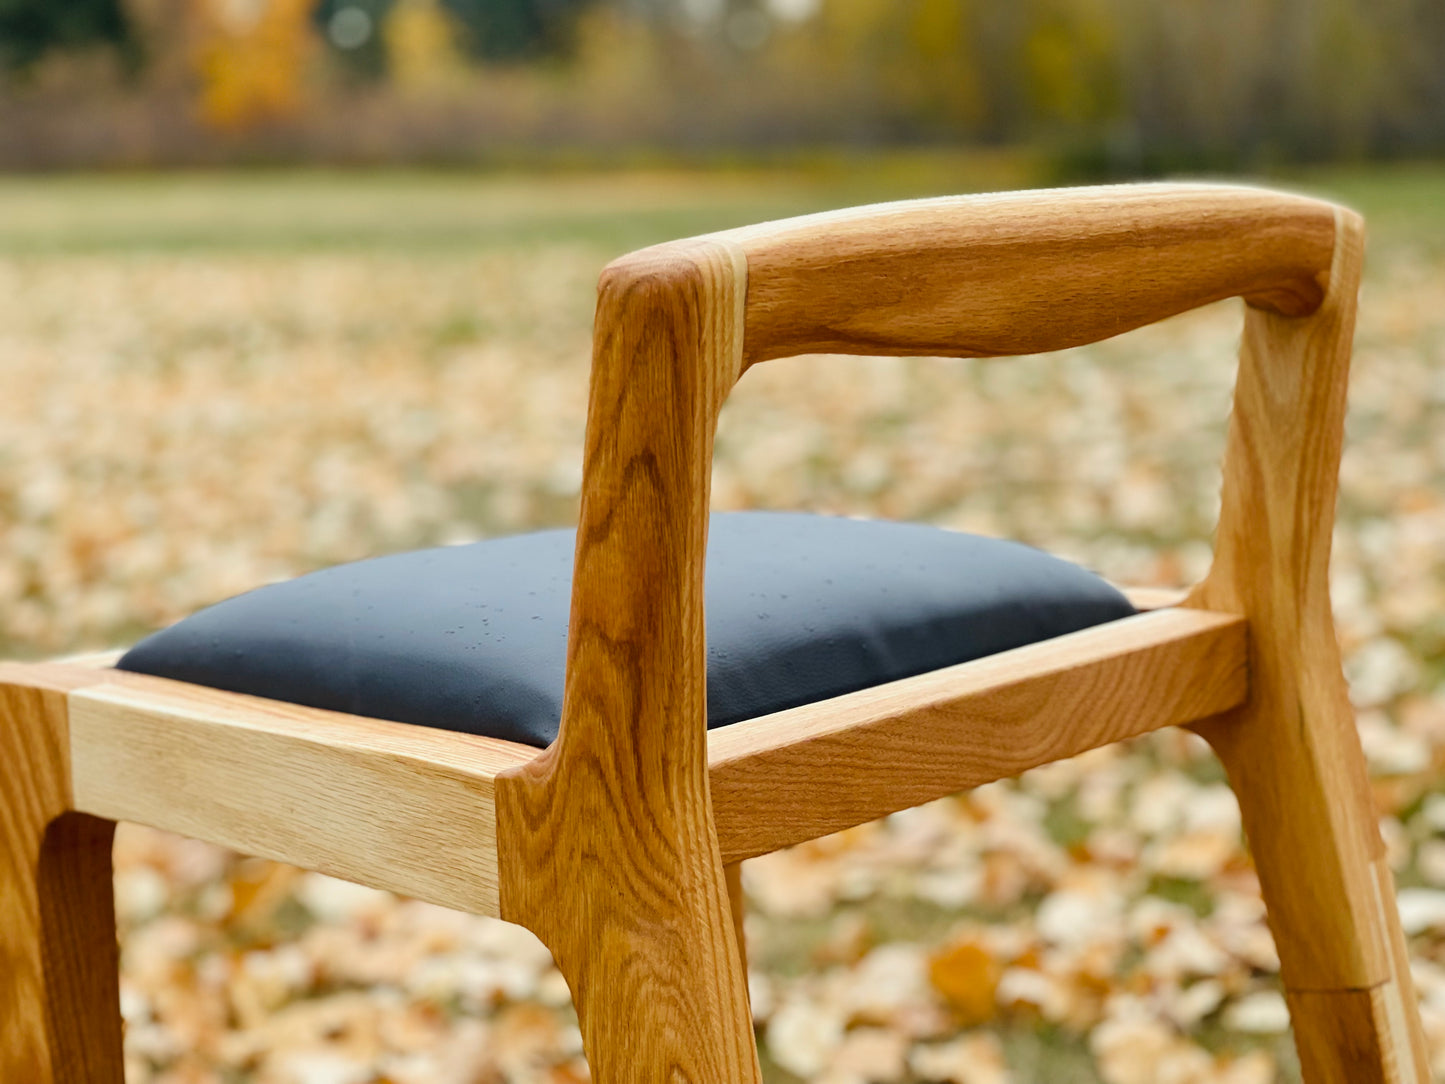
{"points": [[1096, 86], [251, 59]]}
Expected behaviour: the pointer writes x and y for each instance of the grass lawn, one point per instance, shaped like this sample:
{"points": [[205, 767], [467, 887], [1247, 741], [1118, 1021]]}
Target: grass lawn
{"points": [[394, 210]]}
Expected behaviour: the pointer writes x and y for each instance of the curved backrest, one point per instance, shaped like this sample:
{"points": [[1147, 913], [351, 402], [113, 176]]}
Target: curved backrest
{"points": [[1025, 272]]}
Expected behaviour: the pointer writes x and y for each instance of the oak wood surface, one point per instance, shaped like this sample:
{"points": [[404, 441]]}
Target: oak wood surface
{"points": [[608, 850], [209, 764], [1025, 272], [803, 773], [1340, 1040], [359, 792], [394, 806], [59, 965], [1292, 751]]}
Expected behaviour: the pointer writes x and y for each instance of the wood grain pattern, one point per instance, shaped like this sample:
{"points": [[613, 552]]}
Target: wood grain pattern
{"points": [[608, 850], [1025, 272], [803, 773], [59, 967], [1292, 751], [1334, 1036], [394, 806], [1395, 1002]]}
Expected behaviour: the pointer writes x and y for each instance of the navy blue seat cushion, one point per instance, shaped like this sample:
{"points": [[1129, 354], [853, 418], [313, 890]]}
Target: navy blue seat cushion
{"points": [[473, 638]]}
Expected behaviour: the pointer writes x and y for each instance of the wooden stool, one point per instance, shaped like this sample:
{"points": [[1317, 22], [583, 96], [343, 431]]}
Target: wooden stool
{"points": [[591, 802]]}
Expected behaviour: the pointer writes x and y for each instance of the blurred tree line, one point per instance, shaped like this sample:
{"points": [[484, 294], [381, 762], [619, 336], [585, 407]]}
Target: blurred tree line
{"points": [[1101, 86]]}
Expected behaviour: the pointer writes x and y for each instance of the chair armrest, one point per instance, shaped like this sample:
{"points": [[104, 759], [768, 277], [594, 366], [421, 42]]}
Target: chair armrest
{"points": [[678, 323], [1025, 272]]}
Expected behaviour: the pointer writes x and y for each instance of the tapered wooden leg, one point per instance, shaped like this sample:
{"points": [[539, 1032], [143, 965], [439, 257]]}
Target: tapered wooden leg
{"points": [[660, 998], [59, 997], [1329, 894], [638, 919], [1292, 751], [1330, 897]]}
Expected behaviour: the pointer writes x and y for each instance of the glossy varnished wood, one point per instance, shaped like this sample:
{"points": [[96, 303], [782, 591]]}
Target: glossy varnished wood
{"points": [[803, 773], [1025, 272], [400, 807], [1292, 751], [609, 851], [59, 985]]}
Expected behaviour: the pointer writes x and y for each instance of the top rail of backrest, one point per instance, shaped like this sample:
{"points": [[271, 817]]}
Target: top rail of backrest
{"points": [[1025, 272]]}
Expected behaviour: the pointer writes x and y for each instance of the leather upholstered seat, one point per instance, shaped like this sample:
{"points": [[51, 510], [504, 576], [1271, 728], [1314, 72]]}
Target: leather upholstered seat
{"points": [[472, 638]]}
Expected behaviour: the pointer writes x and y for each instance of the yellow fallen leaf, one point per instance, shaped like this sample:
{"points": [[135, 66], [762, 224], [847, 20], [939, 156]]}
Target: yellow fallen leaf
{"points": [[966, 975]]}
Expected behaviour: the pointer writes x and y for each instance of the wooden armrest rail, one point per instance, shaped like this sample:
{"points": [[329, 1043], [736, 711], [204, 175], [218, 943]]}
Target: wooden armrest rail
{"points": [[1025, 272]]}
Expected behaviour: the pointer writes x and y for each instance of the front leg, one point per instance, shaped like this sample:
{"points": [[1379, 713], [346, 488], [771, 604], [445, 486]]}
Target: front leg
{"points": [[635, 909], [59, 965]]}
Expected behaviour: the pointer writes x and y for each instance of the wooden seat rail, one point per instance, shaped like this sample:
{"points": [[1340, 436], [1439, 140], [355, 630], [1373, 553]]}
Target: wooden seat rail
{"points": [[412, 809]]}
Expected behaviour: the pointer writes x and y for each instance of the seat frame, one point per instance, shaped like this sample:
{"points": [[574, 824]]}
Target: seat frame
{"points": [[619, 844]]}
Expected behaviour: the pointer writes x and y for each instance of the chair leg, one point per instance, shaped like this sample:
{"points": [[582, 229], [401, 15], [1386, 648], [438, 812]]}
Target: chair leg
{"points": [[1292, 750], [656, 1000], [59, 980], [642, 933], [1330, 897]]}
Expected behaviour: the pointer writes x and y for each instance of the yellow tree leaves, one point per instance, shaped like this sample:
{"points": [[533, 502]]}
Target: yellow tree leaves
{"points": [[252, 58], [1070, 55], [946, 75], [421, 47]]}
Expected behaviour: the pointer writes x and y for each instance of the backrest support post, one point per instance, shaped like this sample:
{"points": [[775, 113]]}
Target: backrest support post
{"points": [[1291, 750], [607, 848]]}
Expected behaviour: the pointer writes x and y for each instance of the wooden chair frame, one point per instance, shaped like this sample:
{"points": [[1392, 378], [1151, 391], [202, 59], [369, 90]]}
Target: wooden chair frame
{"points": [[618, 845]]}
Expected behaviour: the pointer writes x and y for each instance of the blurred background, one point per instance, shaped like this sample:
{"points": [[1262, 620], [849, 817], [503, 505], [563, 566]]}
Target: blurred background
{"points": [[287, 283], [1093, 86]]}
